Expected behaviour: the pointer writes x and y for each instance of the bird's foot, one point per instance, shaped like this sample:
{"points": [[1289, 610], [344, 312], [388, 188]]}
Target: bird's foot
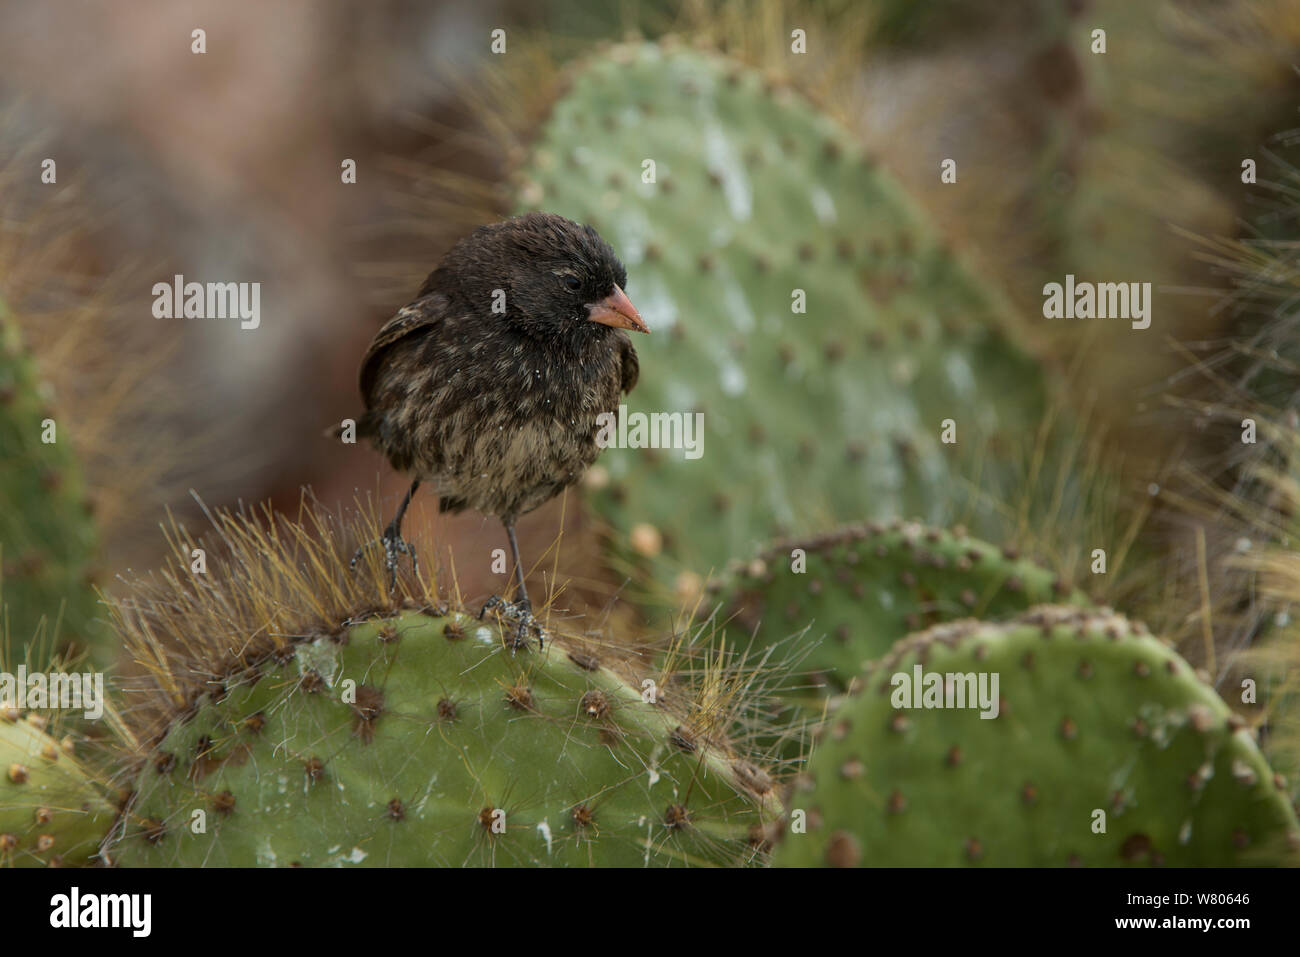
{"points": [[394, 547], [521, 613]]}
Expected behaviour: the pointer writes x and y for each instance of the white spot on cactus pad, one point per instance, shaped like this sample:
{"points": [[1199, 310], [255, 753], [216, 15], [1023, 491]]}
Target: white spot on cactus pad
{"points": [[318, 656], [738, 311], [903, 370], [823, 206], [680, 396], [722, 157], [265, 855], [655, 302], [732, 379], [959, 374], [354, 856], [545, 830], [630, 233]]}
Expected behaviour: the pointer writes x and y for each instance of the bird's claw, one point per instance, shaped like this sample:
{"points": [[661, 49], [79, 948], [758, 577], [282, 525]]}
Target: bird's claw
{"points": [[394, 546], [521, 612]]}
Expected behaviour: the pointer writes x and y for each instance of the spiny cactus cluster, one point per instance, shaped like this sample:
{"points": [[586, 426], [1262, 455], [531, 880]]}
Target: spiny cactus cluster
{"points": [[428, 740], [820, 329], [1098, 746], [1251, 448]]}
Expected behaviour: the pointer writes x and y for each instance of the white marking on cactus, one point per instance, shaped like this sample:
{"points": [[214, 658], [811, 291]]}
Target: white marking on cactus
{"points": [[265, 854], [545, 830], [655, 300], [354, 856], [732, 379], [318, 656], [484, 635], [903, 370], [959, 374], [738, 311], [679, 395], [630, 233], [721, 155], [823, 206]]}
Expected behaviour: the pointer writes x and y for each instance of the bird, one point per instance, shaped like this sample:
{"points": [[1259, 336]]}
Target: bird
{"points": [[491, 385]]}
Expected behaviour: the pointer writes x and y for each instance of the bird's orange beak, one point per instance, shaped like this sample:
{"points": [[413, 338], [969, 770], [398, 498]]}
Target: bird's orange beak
{"points": [[617, 310]]}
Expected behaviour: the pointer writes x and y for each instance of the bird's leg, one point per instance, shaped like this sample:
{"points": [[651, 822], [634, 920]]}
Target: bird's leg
{"points": [[521, 607], [392, 541], [522, 604], [521, 601]]}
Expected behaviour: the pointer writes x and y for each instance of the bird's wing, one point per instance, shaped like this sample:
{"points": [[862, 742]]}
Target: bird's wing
{"points": [[419, 315], [631, 365]]}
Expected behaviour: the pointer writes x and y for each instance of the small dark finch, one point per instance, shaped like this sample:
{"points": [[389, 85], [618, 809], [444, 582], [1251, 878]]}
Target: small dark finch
{"points": [[488, 386]]}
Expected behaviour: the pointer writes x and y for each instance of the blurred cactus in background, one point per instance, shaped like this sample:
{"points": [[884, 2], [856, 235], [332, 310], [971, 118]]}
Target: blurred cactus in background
{"points": [[46, 529], [803, 315]]}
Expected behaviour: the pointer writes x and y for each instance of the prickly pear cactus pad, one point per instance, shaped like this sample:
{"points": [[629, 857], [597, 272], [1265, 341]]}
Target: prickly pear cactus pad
{"points": [[1106, 750], [797, 303], [52, 810], [850, 594], [426, 740], [47, 537]]}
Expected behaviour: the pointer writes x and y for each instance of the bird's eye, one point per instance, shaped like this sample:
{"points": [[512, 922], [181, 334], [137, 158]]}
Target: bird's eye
{"points": [[572, 282]]}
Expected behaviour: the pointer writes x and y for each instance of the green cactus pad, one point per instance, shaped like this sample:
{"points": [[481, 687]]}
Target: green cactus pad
{"points": [[1094, 716], [808, 418], [47, 535], [52, 810], [448, 733], [864, 587]]}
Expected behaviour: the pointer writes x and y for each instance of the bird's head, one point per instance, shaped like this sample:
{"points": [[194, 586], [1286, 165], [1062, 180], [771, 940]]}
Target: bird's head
{"points": [[546, 275]]}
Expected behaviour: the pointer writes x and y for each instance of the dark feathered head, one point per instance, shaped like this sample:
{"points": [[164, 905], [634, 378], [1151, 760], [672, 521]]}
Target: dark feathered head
{"points": [[546, 275]]}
